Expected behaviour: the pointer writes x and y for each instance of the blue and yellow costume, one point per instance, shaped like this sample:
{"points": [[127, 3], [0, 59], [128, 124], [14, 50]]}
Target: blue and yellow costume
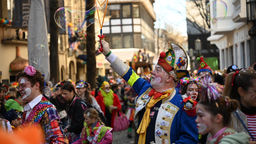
{"points": [[169, 123]]}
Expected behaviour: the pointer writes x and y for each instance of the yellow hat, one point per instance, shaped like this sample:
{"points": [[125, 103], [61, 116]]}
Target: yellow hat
{"points": [[104, 84]]}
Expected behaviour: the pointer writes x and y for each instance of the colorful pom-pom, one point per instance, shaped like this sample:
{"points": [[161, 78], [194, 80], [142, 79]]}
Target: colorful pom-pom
{"points": [[162, 54], [198, 59]]}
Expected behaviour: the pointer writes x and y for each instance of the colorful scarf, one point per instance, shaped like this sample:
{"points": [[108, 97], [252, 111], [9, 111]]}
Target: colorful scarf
{"points": [[107, 97]]}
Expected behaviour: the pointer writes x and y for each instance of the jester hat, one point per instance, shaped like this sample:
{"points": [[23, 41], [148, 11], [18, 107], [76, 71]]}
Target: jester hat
{"points": [[174, 61], [204, 67]]}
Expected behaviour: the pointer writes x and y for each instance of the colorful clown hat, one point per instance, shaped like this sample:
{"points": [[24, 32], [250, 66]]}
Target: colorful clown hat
{"points": [[80, 84], [203, 66], [174, 61]]}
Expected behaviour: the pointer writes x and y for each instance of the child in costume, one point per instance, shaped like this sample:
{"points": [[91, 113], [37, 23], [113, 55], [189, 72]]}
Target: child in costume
{"points": [[214, 115], [94, 131], [130, 96], [14, 119], [189, 87]]}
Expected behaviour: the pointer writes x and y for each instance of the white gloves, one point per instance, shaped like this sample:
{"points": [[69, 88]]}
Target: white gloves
{"points": [[105, 46]]}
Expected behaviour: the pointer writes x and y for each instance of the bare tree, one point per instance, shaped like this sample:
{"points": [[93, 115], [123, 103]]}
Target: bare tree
{"points": [[200, 21]]}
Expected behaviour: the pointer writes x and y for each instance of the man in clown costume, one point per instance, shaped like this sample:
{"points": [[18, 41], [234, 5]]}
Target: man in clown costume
{"points": [[160, 117], [38, 110]]}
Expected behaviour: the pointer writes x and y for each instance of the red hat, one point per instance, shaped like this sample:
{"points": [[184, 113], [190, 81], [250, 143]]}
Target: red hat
{"points": [[174, 61], [203, 66], [167, 60]]}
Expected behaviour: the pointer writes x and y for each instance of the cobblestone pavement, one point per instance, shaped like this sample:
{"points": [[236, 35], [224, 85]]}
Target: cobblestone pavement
{"points": [[121, 138]]}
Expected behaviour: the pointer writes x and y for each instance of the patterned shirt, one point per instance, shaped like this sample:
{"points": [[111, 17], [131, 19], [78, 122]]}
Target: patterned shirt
{"points": [[252, 125], [45, 115]]}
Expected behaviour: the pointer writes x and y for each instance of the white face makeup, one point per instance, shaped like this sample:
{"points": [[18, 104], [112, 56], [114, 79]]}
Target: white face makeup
{"points": [[107, 88], [201, 120], [192, 91], [27, 92], [156, 78], [22, 81]]}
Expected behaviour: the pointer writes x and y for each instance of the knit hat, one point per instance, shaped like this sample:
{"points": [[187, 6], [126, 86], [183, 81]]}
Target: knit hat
{"points": [[11, 115], [174, 61], [203, 66]]}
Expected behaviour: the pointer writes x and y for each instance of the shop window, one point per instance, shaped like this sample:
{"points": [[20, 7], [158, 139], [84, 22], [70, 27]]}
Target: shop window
{"points": [[126, 11]]}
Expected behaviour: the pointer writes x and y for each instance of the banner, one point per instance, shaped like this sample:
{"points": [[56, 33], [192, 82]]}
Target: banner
{"points": [[21, 11], [37, 38]]}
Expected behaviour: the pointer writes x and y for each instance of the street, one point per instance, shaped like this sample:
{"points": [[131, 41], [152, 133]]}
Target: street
{"points": [[121, 138]]}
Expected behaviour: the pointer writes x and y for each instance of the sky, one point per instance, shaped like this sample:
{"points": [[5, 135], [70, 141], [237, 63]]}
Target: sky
{"points": [[173, 13]]}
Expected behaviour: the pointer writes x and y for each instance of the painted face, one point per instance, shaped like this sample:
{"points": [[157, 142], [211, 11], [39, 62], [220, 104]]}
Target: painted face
{"points": [[80, 91], [24, 88], [89, 120], [107, 88], [157, 77], [16, 122], [68, 96], [249, 99], [192, 91], [203, 120]]}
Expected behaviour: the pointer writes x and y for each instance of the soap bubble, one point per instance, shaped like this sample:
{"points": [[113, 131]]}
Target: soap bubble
{"points": [[38, 54], [73, 20], [218, 12]]}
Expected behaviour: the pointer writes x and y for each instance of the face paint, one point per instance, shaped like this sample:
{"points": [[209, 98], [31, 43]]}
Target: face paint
{"points": [[22, 81], [192, 91], [26, 93], [202, 127], [107, 90]]}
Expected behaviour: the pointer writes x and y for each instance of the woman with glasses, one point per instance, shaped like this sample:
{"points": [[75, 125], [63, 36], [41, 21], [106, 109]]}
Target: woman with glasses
{"points": [[109, 103]]}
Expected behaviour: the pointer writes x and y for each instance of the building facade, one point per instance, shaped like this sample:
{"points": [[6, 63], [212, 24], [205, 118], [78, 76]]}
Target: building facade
{"points": [[231, 34], [198, 27], [130, 28]]}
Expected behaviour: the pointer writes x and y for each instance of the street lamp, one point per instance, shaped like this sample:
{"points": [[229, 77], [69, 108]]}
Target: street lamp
{"points": [[251, 17], [198, 45]]}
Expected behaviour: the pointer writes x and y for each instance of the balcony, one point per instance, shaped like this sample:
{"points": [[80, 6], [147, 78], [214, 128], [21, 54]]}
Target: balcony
{"points": [[239, 11]]}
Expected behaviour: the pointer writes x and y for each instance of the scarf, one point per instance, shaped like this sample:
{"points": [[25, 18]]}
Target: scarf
{"points": [[142, 130], [108, 98]]}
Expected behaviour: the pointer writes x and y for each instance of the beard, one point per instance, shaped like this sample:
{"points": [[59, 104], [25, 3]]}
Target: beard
{"points": [[156, 82]]}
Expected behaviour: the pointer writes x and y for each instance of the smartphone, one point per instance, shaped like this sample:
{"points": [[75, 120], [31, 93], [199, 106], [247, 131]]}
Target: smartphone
{"points": [[254, 67]]}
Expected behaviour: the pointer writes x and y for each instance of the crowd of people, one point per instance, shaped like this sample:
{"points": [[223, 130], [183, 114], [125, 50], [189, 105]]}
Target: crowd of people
{"points": [[171, 105]]}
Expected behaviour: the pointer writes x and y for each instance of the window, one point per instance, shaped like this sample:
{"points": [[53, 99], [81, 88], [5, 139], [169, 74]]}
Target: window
{"points": [[126, 11], [137, 40], [107, 39], [136, 11], [116, 41], [128, 41], [114, 11], [60, 41]]}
